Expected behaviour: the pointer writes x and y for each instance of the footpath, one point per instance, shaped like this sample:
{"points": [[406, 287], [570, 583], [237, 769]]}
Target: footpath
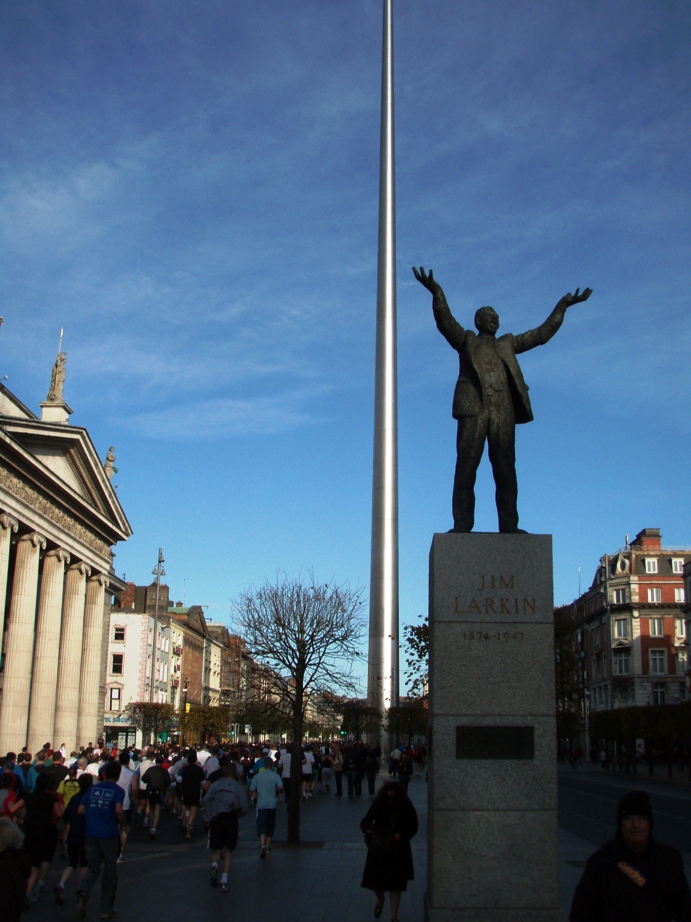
{"points": [[168, 879]]}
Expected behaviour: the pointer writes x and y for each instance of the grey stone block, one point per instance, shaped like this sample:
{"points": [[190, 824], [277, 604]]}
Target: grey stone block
{"points": [[488, 784], [492, 842], [476, 862], [492, 578], [491, 915], [492, 668]]}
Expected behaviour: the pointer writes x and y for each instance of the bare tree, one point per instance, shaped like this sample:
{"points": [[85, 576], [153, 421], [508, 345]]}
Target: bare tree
{"points": [[308, 636]]}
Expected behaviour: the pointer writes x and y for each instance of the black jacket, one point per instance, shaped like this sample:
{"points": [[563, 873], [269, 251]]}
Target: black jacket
{"points": [[606, 893]]}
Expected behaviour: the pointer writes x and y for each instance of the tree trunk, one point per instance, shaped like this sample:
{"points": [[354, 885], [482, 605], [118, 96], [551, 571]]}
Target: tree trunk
{"points": [[295, 770]]}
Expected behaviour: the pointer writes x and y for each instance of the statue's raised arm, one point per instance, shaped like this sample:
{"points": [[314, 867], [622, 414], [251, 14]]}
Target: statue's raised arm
{"points": [[570, 299], [447, 324], [542, 334], [427, 280]]}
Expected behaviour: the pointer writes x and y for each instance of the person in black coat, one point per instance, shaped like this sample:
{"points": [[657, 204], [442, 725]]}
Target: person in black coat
{"points": [[389, 825], [633, 878]]}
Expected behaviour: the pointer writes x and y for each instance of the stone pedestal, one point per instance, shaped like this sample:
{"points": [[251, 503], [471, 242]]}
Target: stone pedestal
{"points": [[492, 848]]}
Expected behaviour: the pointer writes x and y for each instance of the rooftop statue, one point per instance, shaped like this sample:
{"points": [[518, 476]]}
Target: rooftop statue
{"points": [[490, 398], [57, 379]]}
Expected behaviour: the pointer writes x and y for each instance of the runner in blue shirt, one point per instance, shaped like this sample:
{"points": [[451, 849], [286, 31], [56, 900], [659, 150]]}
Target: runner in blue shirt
{"points": [[266, 786], [102, 807]]}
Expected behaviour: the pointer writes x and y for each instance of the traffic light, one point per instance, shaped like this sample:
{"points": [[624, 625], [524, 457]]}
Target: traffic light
{"points": [[344, 732]]}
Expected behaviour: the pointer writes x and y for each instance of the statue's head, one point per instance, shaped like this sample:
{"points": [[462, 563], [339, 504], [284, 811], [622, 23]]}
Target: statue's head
{"points": [[487, 320]]}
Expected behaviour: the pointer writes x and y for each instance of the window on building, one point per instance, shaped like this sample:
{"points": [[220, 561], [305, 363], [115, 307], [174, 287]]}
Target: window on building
{"points": [[682, 661], [658, 662], [620, 596], [682, 691], [677, 564], [655, 594], [621, 663], [115, 698], [116, 663], [651, 565], [621, 628], [657, 627], [118, 633], [679, 594], [659, 693], [680, 627]]}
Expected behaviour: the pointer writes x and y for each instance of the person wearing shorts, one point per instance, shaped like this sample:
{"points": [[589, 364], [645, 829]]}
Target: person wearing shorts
{"points": [[44, 807], [266, 787], [191, 780], [75, 837], [157, 781], [224, 804]]}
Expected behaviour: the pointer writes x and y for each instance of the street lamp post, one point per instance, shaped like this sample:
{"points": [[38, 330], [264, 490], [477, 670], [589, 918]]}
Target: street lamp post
{"points": [[158, 572], [184, 706]]}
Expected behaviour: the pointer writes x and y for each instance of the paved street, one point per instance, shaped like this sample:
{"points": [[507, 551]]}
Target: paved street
{"points": [[318, 882], [588, 799], [321, 880]]}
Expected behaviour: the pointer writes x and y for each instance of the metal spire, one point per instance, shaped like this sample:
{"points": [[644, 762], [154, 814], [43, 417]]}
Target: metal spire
{"points": [[382, 680]]}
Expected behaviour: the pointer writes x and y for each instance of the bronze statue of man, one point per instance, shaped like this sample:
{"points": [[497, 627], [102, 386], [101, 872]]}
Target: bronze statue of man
{"points": [[490, 398]]}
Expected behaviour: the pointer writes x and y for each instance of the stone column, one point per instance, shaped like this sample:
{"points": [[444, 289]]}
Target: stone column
{"points": [[20, 643], [69, 665], [8, 524], [44, 681], [90, 721]]}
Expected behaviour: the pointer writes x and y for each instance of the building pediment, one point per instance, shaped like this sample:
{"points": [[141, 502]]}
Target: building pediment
{"points": [[61, 463]]}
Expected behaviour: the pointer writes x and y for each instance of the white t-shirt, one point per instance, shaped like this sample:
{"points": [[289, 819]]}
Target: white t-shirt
{"points": [[202, 756], [141, 771], [285, 764], [210, 765], [307, 769], [125, 782]]}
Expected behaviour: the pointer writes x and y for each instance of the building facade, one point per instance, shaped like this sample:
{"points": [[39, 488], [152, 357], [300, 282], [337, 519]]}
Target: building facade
{"points": [[631, 631], [59, 519], [128, 670]]}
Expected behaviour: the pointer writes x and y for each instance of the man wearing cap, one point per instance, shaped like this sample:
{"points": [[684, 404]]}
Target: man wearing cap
{"points": [[633, 878]]}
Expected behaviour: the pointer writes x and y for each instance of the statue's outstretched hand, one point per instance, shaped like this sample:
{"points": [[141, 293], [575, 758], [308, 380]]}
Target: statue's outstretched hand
{"points": [[576, 298], [426, 280]]}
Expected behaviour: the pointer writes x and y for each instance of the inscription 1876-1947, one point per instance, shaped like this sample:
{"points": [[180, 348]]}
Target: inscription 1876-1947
{"points": [[494, 596]]}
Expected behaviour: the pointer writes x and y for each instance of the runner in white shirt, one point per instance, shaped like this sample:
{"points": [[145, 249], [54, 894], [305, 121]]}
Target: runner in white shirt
{"points": [[202, 756], [128, 782], [143, 807]]}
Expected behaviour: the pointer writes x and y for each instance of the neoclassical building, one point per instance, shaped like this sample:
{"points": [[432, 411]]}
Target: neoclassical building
{"points": [[59, 519]]}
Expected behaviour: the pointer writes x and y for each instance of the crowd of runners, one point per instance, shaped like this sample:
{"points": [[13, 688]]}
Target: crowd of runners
{"points": [[82, 805]]}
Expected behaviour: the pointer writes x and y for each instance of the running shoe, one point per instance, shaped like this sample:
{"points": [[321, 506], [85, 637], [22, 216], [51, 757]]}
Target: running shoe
{"points": [[224, 888], [213, 879], [80, 908], [262, 853], [60, 895]]}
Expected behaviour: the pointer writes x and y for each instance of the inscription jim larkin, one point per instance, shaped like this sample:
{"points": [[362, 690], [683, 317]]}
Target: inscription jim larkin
{"points": [[486, 601]]}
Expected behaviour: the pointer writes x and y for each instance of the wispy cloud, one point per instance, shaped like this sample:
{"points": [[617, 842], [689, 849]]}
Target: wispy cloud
{"points": [[230, 417]]}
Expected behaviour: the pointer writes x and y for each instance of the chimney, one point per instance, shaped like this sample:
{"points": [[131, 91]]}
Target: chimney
{"points": [[649, 539]]}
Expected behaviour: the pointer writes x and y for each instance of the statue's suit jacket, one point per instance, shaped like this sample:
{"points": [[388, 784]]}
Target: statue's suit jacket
{"points": [[468, 396]]}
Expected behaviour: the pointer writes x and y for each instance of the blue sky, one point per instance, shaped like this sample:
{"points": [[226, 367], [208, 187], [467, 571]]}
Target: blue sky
{"points": [[190, 190]]}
